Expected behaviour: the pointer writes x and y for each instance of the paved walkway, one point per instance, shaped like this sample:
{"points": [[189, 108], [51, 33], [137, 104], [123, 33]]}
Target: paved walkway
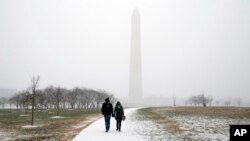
{"points": [[96, 131]]}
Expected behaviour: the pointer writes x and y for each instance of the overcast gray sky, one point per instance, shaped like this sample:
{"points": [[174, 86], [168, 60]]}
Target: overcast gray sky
{"points": [[188, 46]]}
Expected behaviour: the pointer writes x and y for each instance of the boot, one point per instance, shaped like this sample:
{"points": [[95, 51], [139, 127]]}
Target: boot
{"points": [[117, 126]]}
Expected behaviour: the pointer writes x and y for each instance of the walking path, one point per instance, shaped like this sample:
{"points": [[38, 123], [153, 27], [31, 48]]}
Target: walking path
{"points": [[96, 131]]}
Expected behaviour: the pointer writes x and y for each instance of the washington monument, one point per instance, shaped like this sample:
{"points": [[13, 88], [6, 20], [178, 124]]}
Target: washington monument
{"points": [[135, 81]]}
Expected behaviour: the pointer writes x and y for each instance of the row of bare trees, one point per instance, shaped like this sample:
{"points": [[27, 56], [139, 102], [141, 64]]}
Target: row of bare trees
{"points": [[204, 101], [56, 97], [229, 102]]}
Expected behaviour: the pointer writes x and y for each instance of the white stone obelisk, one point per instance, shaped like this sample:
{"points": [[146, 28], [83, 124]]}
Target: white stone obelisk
{"points": [[135, 82]]}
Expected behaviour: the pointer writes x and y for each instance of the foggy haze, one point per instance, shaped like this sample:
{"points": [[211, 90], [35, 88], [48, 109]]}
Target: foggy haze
{"points": [[187, 46]]}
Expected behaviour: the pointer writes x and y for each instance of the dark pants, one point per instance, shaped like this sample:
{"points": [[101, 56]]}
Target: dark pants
{"points": [[118, 125], [107, 121]]}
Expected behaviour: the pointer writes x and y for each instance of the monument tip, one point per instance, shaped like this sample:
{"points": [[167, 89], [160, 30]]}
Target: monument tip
{"points": [[136, 11]]}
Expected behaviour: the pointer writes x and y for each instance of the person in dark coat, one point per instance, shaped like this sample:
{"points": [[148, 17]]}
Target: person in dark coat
{"points": [[119, 113], [107, 111]]}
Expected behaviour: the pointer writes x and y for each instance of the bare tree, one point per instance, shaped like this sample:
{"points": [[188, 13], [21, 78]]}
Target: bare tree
{"points": [[80, 97], [25, 100], [16, 100], [49, 92], [198, 99], [72, 98], [203, 100], [41, 100], [34, 84], [90, 97], [193, 100], [64, 99], [101, 96], [58, 96]]}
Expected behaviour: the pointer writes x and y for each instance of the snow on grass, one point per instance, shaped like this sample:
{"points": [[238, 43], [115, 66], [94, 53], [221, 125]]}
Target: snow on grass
{"points": [[80, 126], [85, 123], [31, 126], [57, 117], [6, 136], [206, 128], [139, 127], [202, 127], [149, 130], [23, 115], [194, 127], [2, 134]]}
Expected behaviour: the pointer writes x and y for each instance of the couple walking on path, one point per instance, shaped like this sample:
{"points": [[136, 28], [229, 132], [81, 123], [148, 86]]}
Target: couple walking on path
{"points": [[107, 111]]}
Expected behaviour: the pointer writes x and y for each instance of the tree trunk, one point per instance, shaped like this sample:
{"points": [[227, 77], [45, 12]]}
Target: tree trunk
{"points": [[33, 105]]}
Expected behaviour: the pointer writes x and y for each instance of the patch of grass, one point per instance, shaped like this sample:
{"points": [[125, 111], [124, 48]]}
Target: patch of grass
{"points": [[163, 115], [224, 112], [11, 121], [169, 125]]}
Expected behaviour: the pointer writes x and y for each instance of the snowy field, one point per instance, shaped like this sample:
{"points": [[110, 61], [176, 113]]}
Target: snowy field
{"points": [[166, 125], [191, 126], [96, 131], [156, 124]]}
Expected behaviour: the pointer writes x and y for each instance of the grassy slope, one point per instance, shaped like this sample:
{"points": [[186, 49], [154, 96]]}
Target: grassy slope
{"points": [[165, 116], [226, 112], [57, 129]]}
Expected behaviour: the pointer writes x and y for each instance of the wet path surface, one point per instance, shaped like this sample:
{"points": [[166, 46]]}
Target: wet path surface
{"points": [[96, 131], [135, 128]]}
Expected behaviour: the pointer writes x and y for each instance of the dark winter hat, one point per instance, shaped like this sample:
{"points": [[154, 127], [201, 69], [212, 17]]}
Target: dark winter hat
{"points": [[107, 100], [118, 103]]}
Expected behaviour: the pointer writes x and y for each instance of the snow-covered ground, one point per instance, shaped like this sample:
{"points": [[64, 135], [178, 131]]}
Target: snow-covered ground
{"points": [[96, 131], [57, 117], [135, 128], [206, 128], [139, 128], [150, 131], [31, 126], [192, 127]]}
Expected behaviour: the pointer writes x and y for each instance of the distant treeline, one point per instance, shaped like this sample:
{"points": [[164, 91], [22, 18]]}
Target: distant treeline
{"points": [[53, 97], [202, 100]]}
